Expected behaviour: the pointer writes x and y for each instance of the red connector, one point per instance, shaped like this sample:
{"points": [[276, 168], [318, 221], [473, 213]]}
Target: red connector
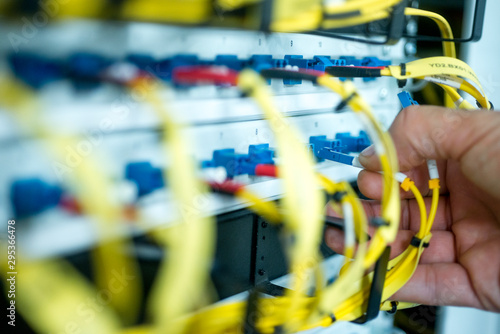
{"points": [[218, 75], [266, 170], [227, 187]]}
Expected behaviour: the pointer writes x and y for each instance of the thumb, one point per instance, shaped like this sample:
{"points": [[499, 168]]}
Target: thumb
{"points": [[472, 138]]}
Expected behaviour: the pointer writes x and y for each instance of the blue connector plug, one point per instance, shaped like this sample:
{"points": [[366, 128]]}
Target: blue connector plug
{"points": [[165, 67], [145, 176], [321, 62], [374, 62], [238, 164], [32, 196], [351, 60], [230, 61], [329, 154], [320, 142], [261, 154], [406, 99], [143, 61], [261, 62], [84, 65], [353, 143], [230, 160], [35, 70], [299, 61]]}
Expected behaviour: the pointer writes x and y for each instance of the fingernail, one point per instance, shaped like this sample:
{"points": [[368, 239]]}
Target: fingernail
{"points": [[368, 152]]}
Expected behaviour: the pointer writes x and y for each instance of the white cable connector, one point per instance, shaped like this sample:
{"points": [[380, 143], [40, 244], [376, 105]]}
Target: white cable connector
{"points": [[356, 163], [214, 174], [433, 170], [400, 177], [350, 238]]}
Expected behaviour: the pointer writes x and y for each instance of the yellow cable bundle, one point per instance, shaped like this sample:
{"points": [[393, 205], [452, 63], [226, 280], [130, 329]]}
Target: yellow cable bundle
{"points": [[390, 201], [94, 193], [189, 244], [443, 70], [175, 11], [446, 32], [359, 12], [296, 15], [75, 8], [388, 159], [302, 200], [352, 271], [400, 269], [235, 4]]}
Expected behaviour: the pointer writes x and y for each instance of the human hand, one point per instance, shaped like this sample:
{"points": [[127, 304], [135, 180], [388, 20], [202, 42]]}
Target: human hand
{"points": [[461, 267]]}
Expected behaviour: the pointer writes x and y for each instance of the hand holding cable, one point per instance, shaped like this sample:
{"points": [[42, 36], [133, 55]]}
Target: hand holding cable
{"points": [[463, 255]]}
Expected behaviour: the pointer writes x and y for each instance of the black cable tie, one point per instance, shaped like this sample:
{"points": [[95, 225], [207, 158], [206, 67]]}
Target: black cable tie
{"points": [[415, 242], [484, 107], [344, 102], [394, 307], [279, 329], [379, 221], [354, 71], [290, 75], [266, 15], [402, 83], [403, 68], [338, 196]]}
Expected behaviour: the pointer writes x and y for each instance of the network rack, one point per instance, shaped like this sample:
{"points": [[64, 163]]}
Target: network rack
{"points": [[81, 77]]}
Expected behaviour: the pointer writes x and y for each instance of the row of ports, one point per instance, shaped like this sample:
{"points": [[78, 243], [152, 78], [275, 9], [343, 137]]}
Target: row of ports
{"points": [[86, 70], [31, 196]]}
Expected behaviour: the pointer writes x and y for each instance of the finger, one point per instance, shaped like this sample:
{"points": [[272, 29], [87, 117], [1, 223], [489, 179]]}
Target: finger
{"points": [[410, 213], [471, 138], [439, 284]]}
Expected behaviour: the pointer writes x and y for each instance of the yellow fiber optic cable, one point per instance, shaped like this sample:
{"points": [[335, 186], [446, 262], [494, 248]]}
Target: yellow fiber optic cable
{"points": [[354, 13], [434, 68], [94, 192], [388, 159], [265, 209], [189, 243], [302, 202], [444, 28]]}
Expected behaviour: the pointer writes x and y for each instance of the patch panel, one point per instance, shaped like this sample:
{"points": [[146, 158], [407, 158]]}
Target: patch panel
{"points": [[78, 70], [228, 134], [87, 70], [149, 178]]}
